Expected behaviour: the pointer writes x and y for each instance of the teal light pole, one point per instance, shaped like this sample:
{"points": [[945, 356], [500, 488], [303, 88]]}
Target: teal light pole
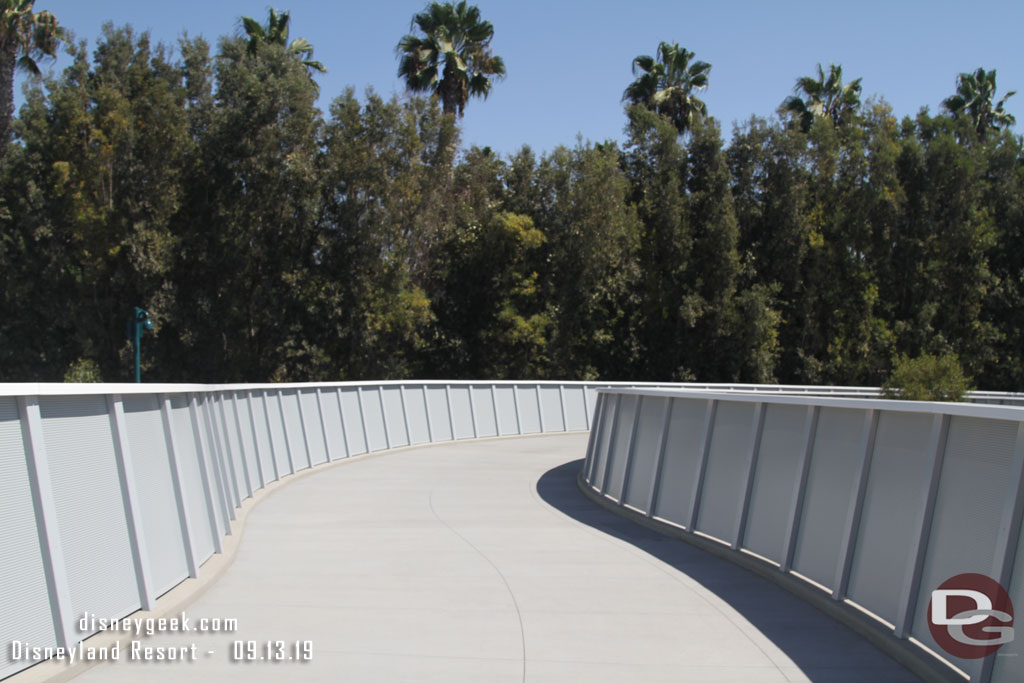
{"points": [[140, 322]]}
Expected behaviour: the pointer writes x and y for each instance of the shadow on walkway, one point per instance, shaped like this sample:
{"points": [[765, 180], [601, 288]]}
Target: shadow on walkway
{"points": [[824, 650]]}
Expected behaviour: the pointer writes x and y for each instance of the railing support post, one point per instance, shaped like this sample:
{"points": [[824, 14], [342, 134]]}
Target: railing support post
{"points": [[756, 429], [705, 450], [50, 546], [852, 526], [800, 490], [919, 544]]}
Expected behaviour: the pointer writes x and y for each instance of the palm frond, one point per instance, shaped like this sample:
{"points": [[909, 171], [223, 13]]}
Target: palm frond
{"points": [[452, 57]]}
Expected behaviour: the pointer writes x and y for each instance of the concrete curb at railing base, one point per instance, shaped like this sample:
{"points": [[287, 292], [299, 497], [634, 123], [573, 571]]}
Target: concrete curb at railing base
{"points": [[182, 595], [920, 662], [190, 590]]}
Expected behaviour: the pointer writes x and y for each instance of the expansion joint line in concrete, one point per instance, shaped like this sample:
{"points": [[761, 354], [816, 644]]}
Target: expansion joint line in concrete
{"points": [[504, 579]]}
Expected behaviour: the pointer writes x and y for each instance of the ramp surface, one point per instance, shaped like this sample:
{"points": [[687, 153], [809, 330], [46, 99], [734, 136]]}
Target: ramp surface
{"points": [[481, 561]]}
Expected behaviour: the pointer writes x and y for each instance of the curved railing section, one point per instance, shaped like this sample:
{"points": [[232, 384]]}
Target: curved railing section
{"points": [[111, 495], [873, 503]]}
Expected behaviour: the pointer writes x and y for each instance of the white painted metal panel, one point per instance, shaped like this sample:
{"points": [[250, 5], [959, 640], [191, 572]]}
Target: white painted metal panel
{"points": [[195, 498], [225, 417], [893, 504], [602, 441], [590, 403], [219, 450], [25, 603], [507, 421], [240, 403], [528, 408], [830, 484], [416, 413], [374, 420], [681, 460], [90, 512], [437, 403], [293, 428], [216, 464], [353, 421], [968, 507], [619, 452], [276, 427], [725, 476], [775, 480], [483, 409], [645, 452], [397, 433], [332, 420], [551, 409], [461, 415], [156, 505], [1010, 669], [575, 408], [263, 437], [314, 432]]}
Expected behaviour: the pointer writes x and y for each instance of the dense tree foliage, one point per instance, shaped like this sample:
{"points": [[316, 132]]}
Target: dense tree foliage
{"points": [[272, 241]]}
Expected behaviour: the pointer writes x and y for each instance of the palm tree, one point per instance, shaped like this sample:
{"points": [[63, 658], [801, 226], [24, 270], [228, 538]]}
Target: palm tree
{"points": [[456, 36], [667, 85], [974, 93], [276, 33], [827, 97], [25, 36]]}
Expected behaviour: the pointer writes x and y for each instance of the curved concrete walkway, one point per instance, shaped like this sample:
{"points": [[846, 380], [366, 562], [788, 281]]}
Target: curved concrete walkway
{"points": [[481, 561]]}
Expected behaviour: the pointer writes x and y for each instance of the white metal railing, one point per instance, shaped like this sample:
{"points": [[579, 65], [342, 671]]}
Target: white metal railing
{"points": [[873, 502], [112, 494]]}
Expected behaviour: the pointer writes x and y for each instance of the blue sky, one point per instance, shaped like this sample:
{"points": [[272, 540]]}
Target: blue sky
{"points": [[568, 62]]}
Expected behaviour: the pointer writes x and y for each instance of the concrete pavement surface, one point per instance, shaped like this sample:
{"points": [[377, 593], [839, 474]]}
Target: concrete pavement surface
{"points": [[481, 561]]}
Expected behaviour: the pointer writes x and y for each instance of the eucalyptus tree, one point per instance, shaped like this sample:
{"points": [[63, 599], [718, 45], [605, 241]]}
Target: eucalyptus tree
{"points": [[275, 32], [93, 194], [668, 85], [25, 37], [244, 289], [974, 94], [826, 97], [452, 58]]}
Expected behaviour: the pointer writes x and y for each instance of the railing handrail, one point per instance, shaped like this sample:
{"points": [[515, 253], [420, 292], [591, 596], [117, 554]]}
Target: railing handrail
{"points": [[79, 389], [981, 410]]}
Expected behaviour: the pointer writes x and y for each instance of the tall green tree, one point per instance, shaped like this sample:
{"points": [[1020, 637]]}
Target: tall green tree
{"points": [[380, 219], [656, 165], [826, 97], [248, 222], [100, 177], [25, 37], [590, 275], [452, 58], [974, 97], [668, 85]]}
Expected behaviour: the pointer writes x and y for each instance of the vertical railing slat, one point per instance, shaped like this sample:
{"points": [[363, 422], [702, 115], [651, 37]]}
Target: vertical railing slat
{"points": [[707, 431], [48, 530], [130, 501], [919, 544], [756, 430], [179, 485], [796, 507]]}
